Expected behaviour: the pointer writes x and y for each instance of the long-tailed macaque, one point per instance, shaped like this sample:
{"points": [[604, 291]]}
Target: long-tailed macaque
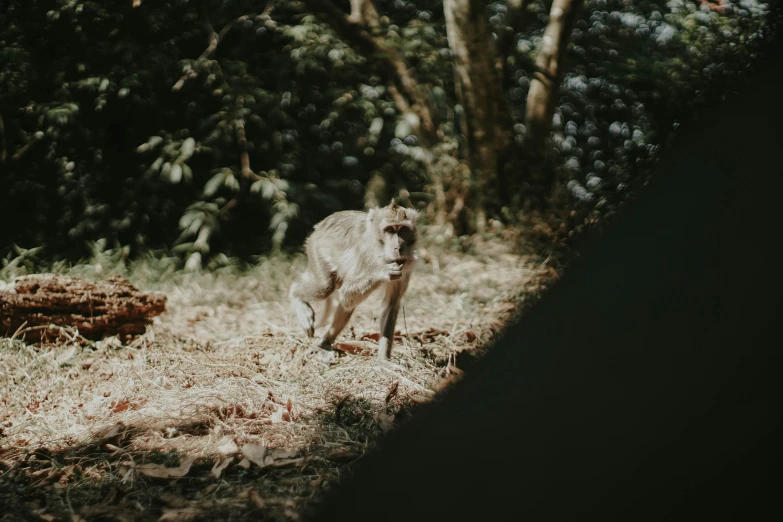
{"points": [[350, 254]]}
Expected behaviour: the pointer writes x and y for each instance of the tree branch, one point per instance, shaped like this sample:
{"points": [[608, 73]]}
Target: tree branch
{"points": [[388, 64], [364, 12], [244, 156], [549, 69], [214, 41], [25, 148]]}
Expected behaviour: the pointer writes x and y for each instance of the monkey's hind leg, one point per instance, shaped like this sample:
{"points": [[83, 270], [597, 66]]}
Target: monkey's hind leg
{"points": [[304, 290], [340, 319], [305, 315]]}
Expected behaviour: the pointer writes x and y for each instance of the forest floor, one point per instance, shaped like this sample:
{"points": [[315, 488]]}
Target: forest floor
{"points": [[220, 411]]}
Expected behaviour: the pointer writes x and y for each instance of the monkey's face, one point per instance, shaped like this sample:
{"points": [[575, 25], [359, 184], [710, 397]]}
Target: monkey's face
{"points": [[398, 242], [395, 231]]}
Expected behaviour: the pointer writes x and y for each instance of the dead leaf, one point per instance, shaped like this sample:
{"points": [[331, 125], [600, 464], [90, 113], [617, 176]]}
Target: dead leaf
{"points": [[470, 335], [179, 515], [269, 457], [227, 446], [375, 336], [244, 464], [41, 473], [67, 473], [255, 499], [220, 465], [172, 500], [353, 347], [161, 471], [392, 390], [276, 455], [289, 405], [254, 453], [281, 415], [123, 405], [343, 455], [386, 421]]}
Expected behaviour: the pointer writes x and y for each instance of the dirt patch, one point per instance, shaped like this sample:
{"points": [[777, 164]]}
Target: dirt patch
{"points": [[221, 409]]}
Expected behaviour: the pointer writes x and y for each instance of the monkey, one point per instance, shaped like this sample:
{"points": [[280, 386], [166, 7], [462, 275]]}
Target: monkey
{"points": [[350, 254]]}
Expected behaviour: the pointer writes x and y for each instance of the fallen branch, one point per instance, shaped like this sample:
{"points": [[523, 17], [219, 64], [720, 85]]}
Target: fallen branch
{"points": [[47, 307]]}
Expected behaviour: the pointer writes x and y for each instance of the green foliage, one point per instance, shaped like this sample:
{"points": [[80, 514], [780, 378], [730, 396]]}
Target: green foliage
{"points": [[120, 125], [634, 70], [103, 147]]}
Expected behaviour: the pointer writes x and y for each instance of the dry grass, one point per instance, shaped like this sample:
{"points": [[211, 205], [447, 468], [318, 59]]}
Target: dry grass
{"points": [[84, 425]]}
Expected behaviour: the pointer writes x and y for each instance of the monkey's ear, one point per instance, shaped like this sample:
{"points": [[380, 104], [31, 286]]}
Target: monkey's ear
{"points": [[370, 217], [393, 204]]}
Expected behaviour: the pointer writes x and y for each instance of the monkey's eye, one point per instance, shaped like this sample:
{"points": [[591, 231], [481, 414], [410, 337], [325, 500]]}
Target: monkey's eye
{"points": [[389, 230]]}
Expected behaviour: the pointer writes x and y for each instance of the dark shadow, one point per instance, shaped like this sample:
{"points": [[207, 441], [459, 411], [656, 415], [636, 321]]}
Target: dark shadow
{"points": [[645, 384], [94, 480]]}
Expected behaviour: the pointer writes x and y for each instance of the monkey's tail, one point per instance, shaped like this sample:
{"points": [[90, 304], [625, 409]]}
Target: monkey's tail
{"points": [[304, 312]]}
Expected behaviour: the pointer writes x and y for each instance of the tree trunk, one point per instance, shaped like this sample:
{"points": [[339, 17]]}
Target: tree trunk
{"points": [[44, 307], [549, 69], [485, 122], [364, 12]]}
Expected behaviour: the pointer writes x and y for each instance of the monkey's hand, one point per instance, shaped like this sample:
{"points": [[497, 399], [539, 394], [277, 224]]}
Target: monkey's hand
{"points": [[394, 271]]}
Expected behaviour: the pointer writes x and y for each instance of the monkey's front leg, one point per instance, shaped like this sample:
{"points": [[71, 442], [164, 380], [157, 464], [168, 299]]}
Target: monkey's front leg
{"points": [[391, 305], [355, 291]]}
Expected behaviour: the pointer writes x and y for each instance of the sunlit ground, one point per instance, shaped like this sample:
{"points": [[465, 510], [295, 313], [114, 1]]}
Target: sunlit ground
{"points": [[221, 408]]}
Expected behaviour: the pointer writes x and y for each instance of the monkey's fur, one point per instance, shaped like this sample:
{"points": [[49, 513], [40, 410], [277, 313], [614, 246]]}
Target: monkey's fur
{"points": [[349, 255]]}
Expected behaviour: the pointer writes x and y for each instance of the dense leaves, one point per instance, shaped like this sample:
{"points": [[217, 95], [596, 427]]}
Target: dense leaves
{"points": [[634, 70], [227, 126]]}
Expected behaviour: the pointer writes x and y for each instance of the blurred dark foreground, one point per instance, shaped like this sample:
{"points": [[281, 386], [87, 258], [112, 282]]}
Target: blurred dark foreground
{"points": [[645, 385]]}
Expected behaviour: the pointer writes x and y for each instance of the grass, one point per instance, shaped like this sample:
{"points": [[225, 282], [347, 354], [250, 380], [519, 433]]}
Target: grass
{"points": [[226, 386]]}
